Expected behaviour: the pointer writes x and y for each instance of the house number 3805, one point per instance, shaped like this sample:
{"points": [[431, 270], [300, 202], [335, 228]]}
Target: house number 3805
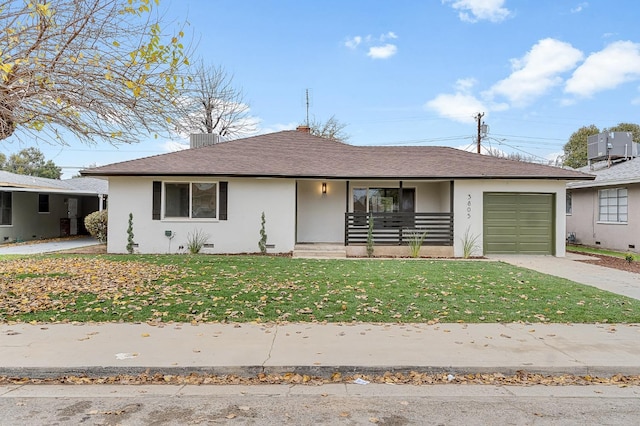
{"points": [[468, 206]]}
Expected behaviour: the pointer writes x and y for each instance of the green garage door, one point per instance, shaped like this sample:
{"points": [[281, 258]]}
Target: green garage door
{"points": [[520, 223]]}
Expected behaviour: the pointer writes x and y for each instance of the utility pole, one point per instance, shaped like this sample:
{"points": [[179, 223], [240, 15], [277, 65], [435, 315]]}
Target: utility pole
{"points": [[479, 117]]}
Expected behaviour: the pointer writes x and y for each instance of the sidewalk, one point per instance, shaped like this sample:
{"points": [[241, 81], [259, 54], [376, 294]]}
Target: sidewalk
{"points": [[52, 350]]}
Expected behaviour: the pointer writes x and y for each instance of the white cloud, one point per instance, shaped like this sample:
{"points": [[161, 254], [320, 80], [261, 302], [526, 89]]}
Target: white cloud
{"points": [[390, 35], [616, 64], [278, 127], [353, 42], [537, 71], [382, 52], [465, 84], [460, 107], [376, 46], [479, 10], [173, 146], [579, 8]]}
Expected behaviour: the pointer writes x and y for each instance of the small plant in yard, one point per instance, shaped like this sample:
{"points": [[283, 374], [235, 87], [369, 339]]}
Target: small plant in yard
{"points": [[262, 242], [196, 240], [96, 224], [629, 258], [130, 242], [469, 244], [416, 238], [370, 237]]}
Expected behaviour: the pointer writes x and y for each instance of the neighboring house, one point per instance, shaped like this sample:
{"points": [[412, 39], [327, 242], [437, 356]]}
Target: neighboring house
{"points": [[315, 190], [604, 212], [35, 208]]}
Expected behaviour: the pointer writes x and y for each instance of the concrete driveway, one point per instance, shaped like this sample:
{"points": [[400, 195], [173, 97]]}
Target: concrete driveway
{"points": [[609, 279], [39, 247]]}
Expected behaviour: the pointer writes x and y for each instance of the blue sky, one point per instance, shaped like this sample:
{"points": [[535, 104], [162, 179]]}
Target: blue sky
{"points": [[415, 72]]}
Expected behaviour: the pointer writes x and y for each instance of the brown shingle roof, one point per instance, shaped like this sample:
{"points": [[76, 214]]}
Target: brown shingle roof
{"points": [[297, 154]]}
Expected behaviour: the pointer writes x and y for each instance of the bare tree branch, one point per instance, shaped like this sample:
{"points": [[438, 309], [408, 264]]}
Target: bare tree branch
{"points": [[212, 104], [331, 129], [98, 69]]}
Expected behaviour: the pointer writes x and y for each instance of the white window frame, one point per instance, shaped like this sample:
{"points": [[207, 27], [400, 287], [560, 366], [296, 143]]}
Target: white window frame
{"points": [[569, 203], [613, 205], [190, 207]]}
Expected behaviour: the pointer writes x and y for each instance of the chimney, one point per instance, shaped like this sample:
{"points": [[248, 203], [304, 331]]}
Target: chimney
{"points": [[198, 140], [304, 128]]}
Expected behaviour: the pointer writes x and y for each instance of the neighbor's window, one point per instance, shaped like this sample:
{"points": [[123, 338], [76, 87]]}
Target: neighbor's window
{"points": [[43, 203], [5, 208], [194, 200], [612, 205], [569, 203]]}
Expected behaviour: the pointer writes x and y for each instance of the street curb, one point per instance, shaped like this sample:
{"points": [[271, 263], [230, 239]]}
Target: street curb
{"points": [[324, 372]]}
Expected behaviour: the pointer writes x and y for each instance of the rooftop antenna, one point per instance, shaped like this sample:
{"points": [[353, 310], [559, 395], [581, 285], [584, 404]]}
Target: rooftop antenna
{"points": [[307, 98]]}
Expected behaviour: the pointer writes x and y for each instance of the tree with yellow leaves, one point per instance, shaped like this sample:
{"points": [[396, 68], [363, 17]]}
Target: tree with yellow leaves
{"points": [[98, 69]]}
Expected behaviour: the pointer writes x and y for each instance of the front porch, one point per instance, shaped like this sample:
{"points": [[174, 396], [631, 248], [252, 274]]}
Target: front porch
{"points": [[339, 213]]}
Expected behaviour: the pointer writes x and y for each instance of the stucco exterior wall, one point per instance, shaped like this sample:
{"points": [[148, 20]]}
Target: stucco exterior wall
{"points": [[320, 216], [583, 221], [247, 199], [468, 208], [28, 224]]}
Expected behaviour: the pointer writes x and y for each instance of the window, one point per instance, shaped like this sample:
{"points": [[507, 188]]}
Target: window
{"points": [[5, 208], [569, 203], [191, 200], [612, 205], [43, 203], [385, 200]]}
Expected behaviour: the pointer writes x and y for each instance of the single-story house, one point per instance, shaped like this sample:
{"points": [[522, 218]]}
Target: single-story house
{"points": [[604, 212], [35, 208], [314, 190]]}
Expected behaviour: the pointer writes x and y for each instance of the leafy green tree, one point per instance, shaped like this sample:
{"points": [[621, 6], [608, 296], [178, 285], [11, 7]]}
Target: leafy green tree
{"points": [[575, 150], [31, 161], [98, 69]]}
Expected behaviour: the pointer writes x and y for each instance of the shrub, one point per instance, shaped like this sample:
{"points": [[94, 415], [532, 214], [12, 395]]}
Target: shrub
{"points": [[196, 240], [370, 242], [629, 258], [130, 241], [96, 224], [416, 238], [262, 242], [469, 244]]}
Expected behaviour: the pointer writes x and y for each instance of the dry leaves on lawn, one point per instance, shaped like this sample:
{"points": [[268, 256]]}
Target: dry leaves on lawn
{"points": [[37, 284]]}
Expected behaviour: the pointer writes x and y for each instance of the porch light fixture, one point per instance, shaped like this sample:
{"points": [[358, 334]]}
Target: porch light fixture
{"points": [[324, 188]]}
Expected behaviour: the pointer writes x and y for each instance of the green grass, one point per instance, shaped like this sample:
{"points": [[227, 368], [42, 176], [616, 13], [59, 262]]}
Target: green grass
{"points": [[594, 250], [205, 288]]}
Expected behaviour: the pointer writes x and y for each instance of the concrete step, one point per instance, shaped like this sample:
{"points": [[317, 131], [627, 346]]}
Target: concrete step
{"points": [[312, 251]]}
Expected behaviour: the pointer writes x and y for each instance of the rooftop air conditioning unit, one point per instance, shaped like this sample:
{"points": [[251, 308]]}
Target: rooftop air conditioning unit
{"points": [[611, 145], [203, 139]]}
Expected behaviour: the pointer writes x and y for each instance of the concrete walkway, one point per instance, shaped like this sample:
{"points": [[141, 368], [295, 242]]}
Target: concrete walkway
{"points": [[54, 350], [40, 247]]}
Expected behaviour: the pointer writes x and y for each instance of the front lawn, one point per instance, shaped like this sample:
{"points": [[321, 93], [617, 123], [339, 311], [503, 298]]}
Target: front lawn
{"points": [[201, 288]]}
